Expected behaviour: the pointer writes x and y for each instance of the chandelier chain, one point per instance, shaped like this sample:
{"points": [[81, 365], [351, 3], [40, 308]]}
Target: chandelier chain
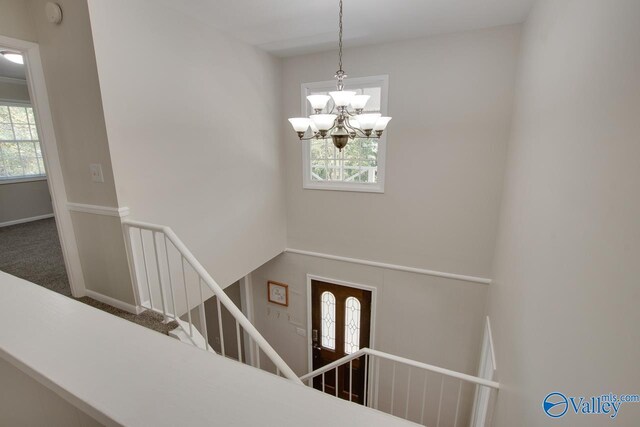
{"points": [[340, 39]]}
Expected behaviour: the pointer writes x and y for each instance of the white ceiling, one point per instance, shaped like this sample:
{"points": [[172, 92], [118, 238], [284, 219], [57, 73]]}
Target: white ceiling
{"points": [[10, 69], [292, 27]]}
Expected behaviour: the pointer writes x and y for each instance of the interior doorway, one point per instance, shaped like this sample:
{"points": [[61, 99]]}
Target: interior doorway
{"points": [[341, 324], [36, 247]]}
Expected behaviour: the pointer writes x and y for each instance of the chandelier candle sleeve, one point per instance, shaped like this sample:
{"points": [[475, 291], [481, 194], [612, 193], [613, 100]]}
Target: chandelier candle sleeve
{"points": [[344, 125]]}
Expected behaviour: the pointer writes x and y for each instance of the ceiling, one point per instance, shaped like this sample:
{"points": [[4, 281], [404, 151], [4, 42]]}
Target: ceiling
{"points": [[293, 27], [9, 69]]}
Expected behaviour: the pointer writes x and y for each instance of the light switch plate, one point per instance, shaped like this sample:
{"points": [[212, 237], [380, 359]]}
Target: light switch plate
{"points": [[96, 172], [301, 332]]}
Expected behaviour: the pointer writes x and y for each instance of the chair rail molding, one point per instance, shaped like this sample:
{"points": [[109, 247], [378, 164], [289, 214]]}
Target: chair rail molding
{"points": [[453, 276], [120, 212]]}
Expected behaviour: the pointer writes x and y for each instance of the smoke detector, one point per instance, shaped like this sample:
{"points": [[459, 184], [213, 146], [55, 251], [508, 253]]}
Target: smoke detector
{"points": [[54, 12]]}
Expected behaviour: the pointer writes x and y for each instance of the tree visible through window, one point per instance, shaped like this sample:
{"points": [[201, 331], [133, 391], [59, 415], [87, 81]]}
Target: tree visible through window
{"points": [[20, 153], [360, 164]]}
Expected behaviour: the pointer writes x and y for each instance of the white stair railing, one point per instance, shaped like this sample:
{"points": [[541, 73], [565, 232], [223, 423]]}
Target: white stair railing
{"points": [[172, 282], [422, 393]]}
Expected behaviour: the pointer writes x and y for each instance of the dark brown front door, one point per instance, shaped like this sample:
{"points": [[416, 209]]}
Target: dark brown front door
{"points": [[341, 322]]}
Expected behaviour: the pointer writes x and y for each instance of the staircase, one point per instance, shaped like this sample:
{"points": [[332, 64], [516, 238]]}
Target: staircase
{"points": [[171, 282]]}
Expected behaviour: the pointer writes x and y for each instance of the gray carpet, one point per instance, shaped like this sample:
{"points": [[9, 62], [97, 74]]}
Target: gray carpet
{"points": [[32, 252]]}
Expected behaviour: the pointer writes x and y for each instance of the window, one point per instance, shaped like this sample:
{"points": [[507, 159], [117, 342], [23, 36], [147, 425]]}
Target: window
{"points": [[328, 316], [352, 325], [360, 165], [20, 153]]}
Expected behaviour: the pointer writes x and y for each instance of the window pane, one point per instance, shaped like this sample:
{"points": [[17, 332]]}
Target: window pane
{"points": [[11, 159], [328, 318], [20, 153], [6, 132], [352, 326], [4, 114], [19, 115], [22, 132]]}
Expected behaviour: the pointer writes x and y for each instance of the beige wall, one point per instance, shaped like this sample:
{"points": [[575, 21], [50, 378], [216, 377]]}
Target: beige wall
{"points": [[25, 402], [194, 131], [22, 200], [450, 98], [433, 320], [564, 305], [14, 92], [16, 20]]}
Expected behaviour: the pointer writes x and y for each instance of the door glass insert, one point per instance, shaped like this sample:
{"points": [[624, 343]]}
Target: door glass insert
{"points": [[328, 317], [352, 326]]}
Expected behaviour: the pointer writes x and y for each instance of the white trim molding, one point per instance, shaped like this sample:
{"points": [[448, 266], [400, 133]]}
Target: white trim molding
{"points": [[23, 220], [397, 267], [98, 210], [129, 308]]}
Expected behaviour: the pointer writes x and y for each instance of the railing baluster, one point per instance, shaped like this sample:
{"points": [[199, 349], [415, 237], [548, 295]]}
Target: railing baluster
{"points": [[336, 382], [239, 342], [173, 297], [323, 382], [203, 316], [455, 421], [186, 297], [406, 407], [424, 396], [440, 403], [162, 298], [377, 377], [365, 398], [258, 355], [393, 387], [350, 380], [146, 270], [277, 371], [220, 331]]}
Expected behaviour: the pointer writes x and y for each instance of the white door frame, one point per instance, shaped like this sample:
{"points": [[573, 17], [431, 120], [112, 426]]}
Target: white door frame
{"points": [[40, 102], [338, 282]]}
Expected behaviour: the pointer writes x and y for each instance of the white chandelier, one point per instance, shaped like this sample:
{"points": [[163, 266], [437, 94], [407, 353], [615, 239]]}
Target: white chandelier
{"points": [[341, 124]]}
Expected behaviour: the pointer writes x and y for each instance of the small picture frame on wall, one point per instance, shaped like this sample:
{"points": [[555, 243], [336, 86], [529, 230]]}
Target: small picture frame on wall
{"points": [[278, 293]]}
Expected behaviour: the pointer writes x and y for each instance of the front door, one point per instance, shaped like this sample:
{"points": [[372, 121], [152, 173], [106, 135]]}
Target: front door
{"points": [[341, 321]]}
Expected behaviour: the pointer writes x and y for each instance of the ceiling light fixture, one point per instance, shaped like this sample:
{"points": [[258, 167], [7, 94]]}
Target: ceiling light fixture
{"points": [[14, 57], [340, 124]]}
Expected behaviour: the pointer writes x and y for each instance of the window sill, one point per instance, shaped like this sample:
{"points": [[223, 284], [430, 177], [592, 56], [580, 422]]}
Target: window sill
{"points": [[22, 180], [340, 186]]}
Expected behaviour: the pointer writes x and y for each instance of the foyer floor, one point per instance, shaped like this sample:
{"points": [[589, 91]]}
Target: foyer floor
{"points": [[32, 252]]}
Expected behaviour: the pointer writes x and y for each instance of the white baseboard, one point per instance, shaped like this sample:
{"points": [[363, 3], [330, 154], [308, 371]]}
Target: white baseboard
{"points": [[23, 220], [130, 308]]}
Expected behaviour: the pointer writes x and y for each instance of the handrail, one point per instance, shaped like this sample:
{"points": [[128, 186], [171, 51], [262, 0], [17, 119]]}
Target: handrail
{"points": [[399, 359], [334, 364], [223, 298]]}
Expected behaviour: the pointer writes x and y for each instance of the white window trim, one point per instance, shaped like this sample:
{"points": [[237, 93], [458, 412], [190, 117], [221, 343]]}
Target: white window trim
{"points": [[23, 178], [378, 187]]}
